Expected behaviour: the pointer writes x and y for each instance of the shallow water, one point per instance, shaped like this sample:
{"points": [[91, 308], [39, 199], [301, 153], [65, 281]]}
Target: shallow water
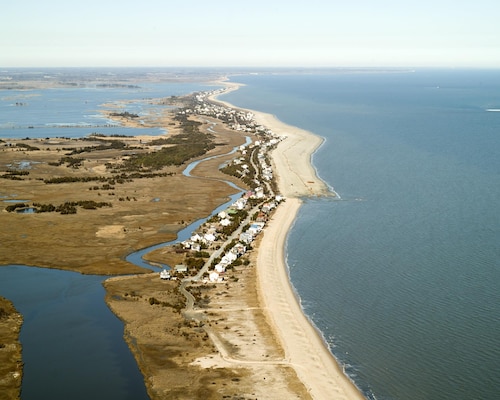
{"points": [[73, 345]]}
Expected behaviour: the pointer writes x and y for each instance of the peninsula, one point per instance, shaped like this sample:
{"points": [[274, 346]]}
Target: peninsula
{"points": [[251, 319], [233, 330]]}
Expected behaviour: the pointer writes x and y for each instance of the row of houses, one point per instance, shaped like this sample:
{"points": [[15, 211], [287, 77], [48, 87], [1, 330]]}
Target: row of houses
{"points": [[241, 121], [217, 274], [224, 219]]}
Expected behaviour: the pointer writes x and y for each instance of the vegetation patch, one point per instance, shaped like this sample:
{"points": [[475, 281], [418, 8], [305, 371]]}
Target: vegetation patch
{"points": [[69, 207]]}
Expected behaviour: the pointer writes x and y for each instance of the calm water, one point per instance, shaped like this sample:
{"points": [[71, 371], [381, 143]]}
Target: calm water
{"points": [[402, 274], [73, 345], [76, 112]]}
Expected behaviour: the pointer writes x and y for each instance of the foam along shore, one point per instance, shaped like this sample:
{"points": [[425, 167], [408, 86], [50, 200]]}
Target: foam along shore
{"points": [[304, 348]]}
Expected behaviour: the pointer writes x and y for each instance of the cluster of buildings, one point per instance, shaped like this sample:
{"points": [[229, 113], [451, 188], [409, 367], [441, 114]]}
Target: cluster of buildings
{"points": [[217, 274], [211, 231], [245, 238], [238, 120]]}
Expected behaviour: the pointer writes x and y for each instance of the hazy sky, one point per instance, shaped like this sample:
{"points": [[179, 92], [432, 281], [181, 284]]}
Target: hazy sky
{"points": [[321, 33]]}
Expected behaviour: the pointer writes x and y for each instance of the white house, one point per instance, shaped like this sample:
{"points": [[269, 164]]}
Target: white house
{"points": [[229, 257], [209, 237], [213, 276], [268, 207], [220, 268], [225, 222], [240, 203], [246, 237], [222, 215], [196, 238], [255, 228], [196, 247], [165, 274]]}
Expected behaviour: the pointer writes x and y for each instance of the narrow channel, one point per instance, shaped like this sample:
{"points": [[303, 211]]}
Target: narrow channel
{"points": [[73, 344], [184, 234]]}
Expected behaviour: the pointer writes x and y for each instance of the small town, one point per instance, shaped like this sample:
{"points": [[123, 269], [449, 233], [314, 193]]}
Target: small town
{"points": [[224, 238]]}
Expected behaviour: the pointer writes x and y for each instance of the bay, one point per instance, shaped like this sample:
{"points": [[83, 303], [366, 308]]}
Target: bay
{"points": [[77, 112]]}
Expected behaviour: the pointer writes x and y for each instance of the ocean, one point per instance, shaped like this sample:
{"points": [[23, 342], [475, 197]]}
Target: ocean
{"points": [[401, 272]]}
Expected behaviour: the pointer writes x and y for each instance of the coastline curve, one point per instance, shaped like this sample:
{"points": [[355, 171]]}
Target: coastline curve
{"points": [[316, 367]]}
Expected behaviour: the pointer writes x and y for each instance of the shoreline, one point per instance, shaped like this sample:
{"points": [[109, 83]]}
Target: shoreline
{"points": [[301, 178], [279, 300], [229, 361]]}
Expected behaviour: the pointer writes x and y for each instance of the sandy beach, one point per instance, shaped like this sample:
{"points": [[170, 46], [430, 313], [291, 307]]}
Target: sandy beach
{"points": [[304, 348]]}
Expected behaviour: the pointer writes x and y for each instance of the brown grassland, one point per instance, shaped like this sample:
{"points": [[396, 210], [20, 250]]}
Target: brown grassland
{"points": [[226, 347]]}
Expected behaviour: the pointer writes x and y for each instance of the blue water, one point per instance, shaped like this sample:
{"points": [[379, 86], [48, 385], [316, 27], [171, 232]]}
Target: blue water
{"points": [[76, 111], [402, 273], [73, 345]]}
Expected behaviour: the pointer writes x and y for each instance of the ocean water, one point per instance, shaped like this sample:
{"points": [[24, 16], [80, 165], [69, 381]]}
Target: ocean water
{"points": [[401, 273]]}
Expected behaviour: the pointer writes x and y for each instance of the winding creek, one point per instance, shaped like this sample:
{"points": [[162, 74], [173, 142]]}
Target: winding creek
{"points": [[73, 344]]}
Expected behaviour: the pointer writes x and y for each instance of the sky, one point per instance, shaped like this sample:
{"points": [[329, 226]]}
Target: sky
{"points": [[258, 33]]}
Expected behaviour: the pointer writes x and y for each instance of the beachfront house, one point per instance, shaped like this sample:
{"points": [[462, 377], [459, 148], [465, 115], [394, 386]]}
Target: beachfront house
{"points": [[246, 237], [256, 228], [261, 217], [239, 249], [229, 257], [268, 207]]}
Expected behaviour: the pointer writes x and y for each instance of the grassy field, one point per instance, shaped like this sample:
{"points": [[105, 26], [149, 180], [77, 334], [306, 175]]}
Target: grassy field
{"points": [[142, 206]]}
